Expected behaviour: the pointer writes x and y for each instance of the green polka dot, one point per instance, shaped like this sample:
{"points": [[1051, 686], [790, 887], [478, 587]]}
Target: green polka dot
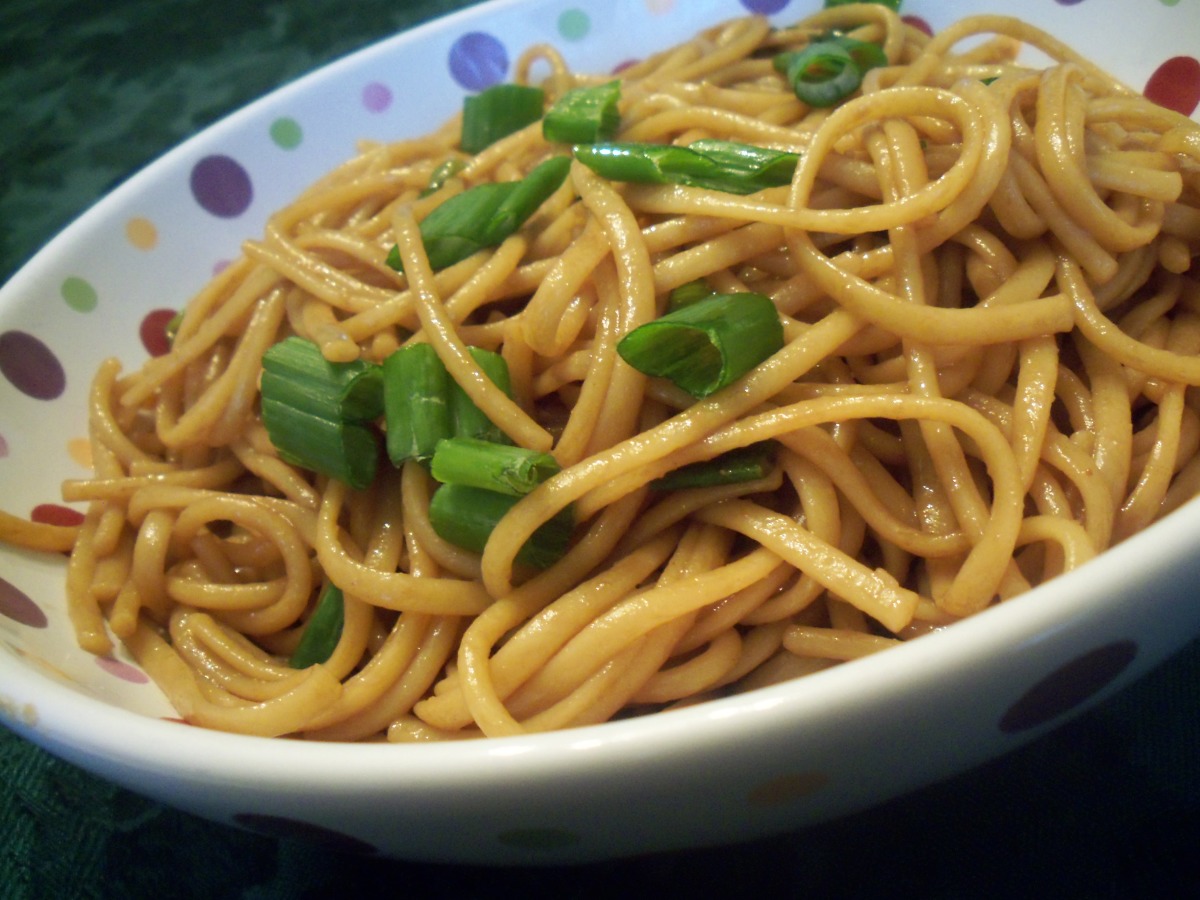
{"points": [[539, 838], [574, 24], [1169, 2], [286, 133], [79, 294]]}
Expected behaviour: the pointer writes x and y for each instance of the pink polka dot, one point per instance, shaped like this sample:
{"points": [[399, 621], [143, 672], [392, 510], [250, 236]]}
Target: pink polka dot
{"points": [[122, 670], [153, 331], [30, 366], [3, 447], [54, 514], [918, 23], [1176, 84], [376, 97], [15, 604]]}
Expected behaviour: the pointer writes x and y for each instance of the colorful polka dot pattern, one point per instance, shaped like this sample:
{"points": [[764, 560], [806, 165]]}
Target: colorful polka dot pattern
{"points": [[224, 187]]}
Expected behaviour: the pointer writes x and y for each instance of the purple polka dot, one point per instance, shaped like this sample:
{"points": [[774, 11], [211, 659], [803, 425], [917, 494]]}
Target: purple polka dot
{"points": [[764, 7], [1069, 686], [16, 605], [30, 366], [122, 670], [221, 186], [279, 826], [1067, 2], [376, 97], [478, 61]]}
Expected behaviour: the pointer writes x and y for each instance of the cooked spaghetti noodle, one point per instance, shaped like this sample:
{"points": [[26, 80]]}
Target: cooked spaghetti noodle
{"points": [[985, 277]]}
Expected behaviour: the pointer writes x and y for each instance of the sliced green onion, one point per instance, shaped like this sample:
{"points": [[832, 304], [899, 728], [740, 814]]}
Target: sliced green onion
{"points": [[467, 419], [172, 326], [443, 173], [689, 293], [716, 165], [497, 112], [735, 467], [890, 4], [322, 631], [706, 345], [317, 413], [495, 467], [823, 73], [484, 215], [584, 115], [466, 516], [416, 403]]}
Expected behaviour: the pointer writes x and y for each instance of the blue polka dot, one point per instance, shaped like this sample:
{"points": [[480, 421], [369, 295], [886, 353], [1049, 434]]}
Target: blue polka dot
{"points": [[764, 7], [478, 61]]}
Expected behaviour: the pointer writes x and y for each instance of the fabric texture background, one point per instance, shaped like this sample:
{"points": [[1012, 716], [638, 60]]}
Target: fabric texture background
{"points": [[1108, 805]]}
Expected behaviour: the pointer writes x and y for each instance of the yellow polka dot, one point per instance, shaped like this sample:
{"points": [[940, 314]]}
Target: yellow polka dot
{"points": [[80, 450], [141, 233], [787, 788]]}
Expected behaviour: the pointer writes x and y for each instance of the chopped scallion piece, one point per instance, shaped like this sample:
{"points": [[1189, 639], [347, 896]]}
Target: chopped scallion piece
{"points": [[467, 419], [172, 326], [484, 215], [687, 294], [890, 4], [322, 631], [494, 467], [716, 165], [823, 73], [443, 173], [706, 345], [735, 467], [829, 69], [416, 403], [318, 413], [584, 115], [497, 112], [466, 516]]}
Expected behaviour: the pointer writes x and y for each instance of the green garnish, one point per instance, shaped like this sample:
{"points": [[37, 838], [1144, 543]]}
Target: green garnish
{"points": [[466, 516], [467, 419], [830, 69], [735, 467], [416, 403], [584, 115], [494, 467], [443, 173], [484, 215], [318, 413], [687, 294], [728, 166], [890, 4], [706, 345], [497, 112], [322, 631]]}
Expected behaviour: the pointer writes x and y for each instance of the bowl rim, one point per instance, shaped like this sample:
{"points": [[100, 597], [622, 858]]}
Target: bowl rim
{"points": [[49, 713]]}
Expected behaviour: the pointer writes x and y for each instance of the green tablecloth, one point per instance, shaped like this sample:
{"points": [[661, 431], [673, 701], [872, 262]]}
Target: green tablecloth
{"points": [[1108, 805]]}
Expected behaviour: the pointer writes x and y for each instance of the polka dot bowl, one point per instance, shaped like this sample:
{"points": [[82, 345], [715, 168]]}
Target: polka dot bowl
{"points": [[733, 769]]}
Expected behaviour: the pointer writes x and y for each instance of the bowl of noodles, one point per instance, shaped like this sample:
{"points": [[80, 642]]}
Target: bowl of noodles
{"points": [[654, 431]]}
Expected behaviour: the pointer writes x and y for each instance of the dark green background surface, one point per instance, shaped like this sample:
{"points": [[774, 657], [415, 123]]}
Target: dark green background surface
{"points": [[1106, 806]]}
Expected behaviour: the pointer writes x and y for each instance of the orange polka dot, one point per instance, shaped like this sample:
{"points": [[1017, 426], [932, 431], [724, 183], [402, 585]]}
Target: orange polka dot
{"points": [[787, 788], [141, 233], [80, 450]]}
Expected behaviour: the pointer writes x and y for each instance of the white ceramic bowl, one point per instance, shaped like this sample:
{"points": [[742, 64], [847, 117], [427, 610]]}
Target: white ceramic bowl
{"points": [[729, 770]]}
